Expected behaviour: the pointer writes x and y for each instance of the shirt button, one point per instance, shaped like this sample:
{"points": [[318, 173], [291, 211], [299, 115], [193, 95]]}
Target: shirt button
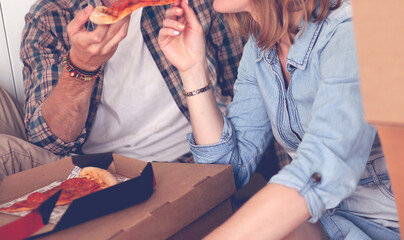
{"points": [[316, 177]]}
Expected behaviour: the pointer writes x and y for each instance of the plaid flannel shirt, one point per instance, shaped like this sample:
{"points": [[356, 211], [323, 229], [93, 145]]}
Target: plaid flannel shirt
{"points": [[45, 42]]}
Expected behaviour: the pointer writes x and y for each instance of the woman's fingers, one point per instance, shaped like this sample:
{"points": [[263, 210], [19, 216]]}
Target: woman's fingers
{"points": [[189, 15], [173, 24], [167, 32], [174, 12], [176, 4]]}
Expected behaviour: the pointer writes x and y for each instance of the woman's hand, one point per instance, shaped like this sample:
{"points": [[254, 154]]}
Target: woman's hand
{"points": [[182, 39]]}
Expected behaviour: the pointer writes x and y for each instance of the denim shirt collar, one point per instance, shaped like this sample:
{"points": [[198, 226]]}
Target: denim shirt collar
{"points": [[302, 47], [270, 55], [304, 41], [300, 50]]}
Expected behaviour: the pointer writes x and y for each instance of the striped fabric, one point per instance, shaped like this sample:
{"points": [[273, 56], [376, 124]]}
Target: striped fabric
{"points": [[45, 42]]}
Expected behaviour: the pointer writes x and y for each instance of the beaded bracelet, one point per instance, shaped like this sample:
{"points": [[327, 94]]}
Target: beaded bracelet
{"points": [[79, 73], [200, 90]]}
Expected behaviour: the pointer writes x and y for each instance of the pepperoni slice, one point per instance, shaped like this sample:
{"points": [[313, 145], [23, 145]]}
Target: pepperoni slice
{"points": [[71, 189]]}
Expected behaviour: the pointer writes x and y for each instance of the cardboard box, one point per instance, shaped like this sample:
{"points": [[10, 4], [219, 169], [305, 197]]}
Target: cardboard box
{"points": [[188, 201], [379, 36]]}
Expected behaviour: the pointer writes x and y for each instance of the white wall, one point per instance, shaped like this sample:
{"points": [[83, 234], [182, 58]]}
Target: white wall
{"points": [[13, 12], [6, 76]]}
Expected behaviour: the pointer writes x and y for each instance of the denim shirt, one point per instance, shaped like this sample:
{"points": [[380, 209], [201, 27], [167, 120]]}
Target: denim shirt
{"points": [[318, 119]]}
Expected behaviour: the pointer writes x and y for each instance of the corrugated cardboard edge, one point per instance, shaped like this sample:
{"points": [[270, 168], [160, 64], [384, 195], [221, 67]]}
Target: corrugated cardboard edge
{"points": [[205, 224], [183, 204]]}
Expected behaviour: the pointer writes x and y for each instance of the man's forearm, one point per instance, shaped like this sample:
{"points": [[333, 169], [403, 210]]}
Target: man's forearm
{"points": [[66, 108]]}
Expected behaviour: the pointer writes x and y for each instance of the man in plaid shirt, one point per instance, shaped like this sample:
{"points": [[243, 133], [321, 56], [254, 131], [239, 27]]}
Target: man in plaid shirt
{"points": [[67, 115]]}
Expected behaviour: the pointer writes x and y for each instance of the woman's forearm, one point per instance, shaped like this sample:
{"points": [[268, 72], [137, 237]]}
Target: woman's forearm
{"points": [[273, 213], [206, 118]]}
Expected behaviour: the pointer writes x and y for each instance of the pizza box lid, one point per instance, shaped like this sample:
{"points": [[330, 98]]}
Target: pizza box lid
{"points": [[381, 59], [183, 193]]}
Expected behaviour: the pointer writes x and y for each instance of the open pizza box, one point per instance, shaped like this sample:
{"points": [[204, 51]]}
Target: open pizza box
{"points": [[188, 201], [379, 39]]}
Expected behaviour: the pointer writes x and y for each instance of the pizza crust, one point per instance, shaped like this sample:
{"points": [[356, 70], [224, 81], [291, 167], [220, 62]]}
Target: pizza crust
{"points": [[99, 174], [100, 16]]}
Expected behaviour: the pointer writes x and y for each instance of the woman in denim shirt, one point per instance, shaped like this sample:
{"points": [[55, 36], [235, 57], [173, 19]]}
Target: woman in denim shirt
{"points": [[298, 82]]}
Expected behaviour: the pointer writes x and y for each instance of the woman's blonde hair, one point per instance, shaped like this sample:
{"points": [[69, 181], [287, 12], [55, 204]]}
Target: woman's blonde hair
{"points": [[274, 16]]}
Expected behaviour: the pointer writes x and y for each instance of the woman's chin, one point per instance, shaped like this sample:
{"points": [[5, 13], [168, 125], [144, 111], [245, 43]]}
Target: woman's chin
{"points": [[216, 7], [220, 7], [227, 6]]}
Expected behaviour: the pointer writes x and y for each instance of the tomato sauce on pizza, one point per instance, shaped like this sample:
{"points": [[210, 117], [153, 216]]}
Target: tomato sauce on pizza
{"points": [[90, 180], [122, 8]]}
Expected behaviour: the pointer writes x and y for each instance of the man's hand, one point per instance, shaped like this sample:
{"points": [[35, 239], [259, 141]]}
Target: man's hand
{"points": [[90, 50], [66, 109]]}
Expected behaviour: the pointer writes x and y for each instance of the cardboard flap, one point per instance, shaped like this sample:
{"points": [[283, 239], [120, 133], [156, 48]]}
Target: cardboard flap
{"points": [[100, 160], [27, 225], [47, 207], [136, 190]]}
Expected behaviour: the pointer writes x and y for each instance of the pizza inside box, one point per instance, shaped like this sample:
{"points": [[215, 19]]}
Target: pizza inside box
{"points": [[188, 200]]}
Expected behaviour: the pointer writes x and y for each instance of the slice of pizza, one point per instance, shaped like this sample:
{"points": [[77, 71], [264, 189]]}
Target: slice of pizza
{"points": [[90, 179], [122, 8]]}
